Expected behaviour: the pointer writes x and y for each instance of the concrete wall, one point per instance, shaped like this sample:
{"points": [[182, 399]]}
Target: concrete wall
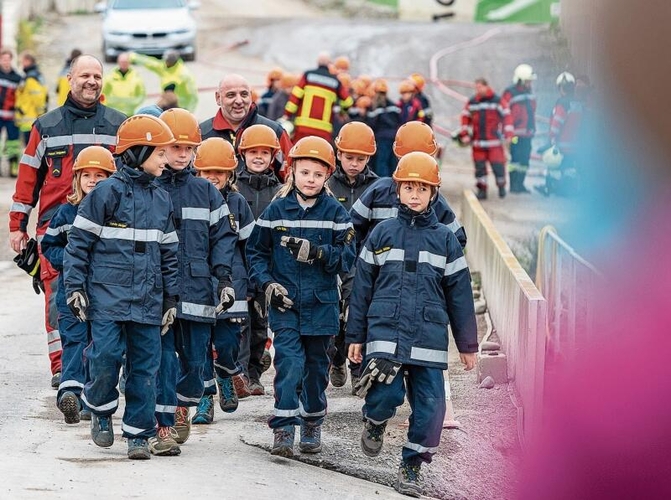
{"points": [[517, 308]]}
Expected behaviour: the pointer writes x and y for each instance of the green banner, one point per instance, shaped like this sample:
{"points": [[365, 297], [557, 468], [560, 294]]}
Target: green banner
{"points": [[517, 11]]}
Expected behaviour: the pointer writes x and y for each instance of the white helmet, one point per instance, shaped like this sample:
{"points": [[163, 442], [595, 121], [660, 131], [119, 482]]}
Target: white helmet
{"points": [[565, 78], [552, 158], [524, 73]]}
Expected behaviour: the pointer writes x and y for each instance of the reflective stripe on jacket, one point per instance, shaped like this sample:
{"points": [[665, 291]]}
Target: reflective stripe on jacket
{"points": [[124, 92]]}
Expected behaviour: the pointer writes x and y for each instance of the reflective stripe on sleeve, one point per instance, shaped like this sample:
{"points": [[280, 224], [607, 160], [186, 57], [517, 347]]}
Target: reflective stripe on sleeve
{"points": [[430, 355], [455, 266]]}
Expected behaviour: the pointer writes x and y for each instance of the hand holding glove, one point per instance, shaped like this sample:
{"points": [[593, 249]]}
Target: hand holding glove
{"points": [[377, 370], [277, 296], [169, 313], [226, 295], [78, 302], [301, 249]]}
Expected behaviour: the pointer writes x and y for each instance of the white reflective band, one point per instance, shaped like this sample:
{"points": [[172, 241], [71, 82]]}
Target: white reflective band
{"points": [[218, 214], [435, 260], [20, 207], [6, 114], [53, 335], [88, 139], [454, 226], [286, 413], [361, 209], [133, 431], [55, 231], [239, 306], [376, 422], [192, 213], [487, 144], [31, 161], [209, 383], [326, 81], [303, 413], [523, 97], [428, 111], [187, 400], [381, 346], [394, 255], [384, 213], [7, 83], [419, 448], [125, 233], [483, 105], [198, 310], [367, 256], [245, 232], [112, 405], [40, 237], [508, 127], [558, 119], [305, 224], [70, 383], [431, 355], [165, 408], [227, 370], [455, 266], [55, 346]]}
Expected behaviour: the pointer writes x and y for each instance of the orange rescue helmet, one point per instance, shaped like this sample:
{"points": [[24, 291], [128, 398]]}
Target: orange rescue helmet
{"points": [[142, 130], [381, 85], [414, 136], [95, 157], [407, 86], [316, 148], [417, 167], [215, 153], [259, 136], [273, 74], [341, 63], [184, 126], [357, 138], [419, 80]]}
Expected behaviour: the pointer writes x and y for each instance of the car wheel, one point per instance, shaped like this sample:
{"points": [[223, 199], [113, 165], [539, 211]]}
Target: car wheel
{"points": [[190, 57], [107, 58]]}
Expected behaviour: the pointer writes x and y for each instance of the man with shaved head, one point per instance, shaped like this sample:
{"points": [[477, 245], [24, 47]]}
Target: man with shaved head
{"points": [[237, 112], [45, 175]]}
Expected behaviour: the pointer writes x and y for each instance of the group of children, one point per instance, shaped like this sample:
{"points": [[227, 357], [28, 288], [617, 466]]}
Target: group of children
{"points": [[167, 261]]}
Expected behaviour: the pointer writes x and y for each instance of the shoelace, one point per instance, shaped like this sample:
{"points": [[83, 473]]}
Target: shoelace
{"points": [[228, 389], [181, 415], [411, 472], [375, 431], [204, 405], [137, 442], [166, 432], [310, 431], [103, 424]]}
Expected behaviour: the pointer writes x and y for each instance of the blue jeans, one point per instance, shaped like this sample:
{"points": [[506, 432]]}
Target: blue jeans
{"points": [[300, 359], [426, 394], [141, 343]]}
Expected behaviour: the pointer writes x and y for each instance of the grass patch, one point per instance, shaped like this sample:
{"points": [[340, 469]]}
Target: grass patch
{"points": [[25, 37]]}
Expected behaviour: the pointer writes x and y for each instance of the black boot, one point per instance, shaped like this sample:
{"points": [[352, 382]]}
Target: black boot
{"points": [[520, 183], [514, 181]]}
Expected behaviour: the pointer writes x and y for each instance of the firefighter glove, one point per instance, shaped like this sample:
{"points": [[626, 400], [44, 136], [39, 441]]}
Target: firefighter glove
{"points": [[169, 313], [226, 295], [277, 296], [377, 370], [38, 284], [301, 249], [78, 302]]}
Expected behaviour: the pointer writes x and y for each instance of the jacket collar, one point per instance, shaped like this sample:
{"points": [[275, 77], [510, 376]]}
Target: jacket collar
{"points": [[259, 181], [131, 175], [412, 218], [292, 200], [177, 176], [359, 180], [78, 109]]}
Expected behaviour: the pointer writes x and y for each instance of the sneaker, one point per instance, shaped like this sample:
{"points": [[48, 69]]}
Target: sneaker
{"points": [[56, 380], [283, 441], [138, 449], [165, 442], [69, 405], [102, 432], [85, 414], [408, 480], [241, 387], [338, 375], [256, 388], [354, 380], [502, 191], [311, 438], [228, 398], [266, 361], [372, 438], [182, 424], [204, 411]]}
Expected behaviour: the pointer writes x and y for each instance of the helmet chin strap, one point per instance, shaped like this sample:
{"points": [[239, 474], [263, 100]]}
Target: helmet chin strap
{"points": [[306, 197]]}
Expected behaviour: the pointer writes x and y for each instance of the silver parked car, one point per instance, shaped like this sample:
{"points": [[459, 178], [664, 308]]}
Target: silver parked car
{"points": [[148, 27]]}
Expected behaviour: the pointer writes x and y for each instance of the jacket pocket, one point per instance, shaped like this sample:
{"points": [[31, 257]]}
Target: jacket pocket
{"points": [[54, 159], [434, 328], [325, 312], [435, 315], [109, 275], [382, 317]]}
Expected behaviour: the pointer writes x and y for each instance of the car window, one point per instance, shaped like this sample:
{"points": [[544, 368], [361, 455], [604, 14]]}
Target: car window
{"points": [[147, 4]]}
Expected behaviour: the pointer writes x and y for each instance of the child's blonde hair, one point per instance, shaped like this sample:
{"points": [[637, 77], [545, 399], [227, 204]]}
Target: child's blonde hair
{"points": [[77, 195]]}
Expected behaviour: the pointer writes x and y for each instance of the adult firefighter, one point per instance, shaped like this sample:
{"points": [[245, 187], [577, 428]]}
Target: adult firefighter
{"points": [[522, 104], [123, 87], [489, 121], [45, 172], [312, 101]]}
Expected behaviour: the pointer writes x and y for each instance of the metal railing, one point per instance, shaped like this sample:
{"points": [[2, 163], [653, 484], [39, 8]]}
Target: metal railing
{"points": [[567, 281]]}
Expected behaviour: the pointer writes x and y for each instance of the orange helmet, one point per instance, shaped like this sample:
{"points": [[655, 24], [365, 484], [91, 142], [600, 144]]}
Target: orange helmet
{"points": [[142, 130], [273, 74], [184, 126], [417, 167], [341, 63], [345, 80], [215, 153], [359, 86], [259, 136], [407, 86], [95, 157], [366, 79], [356, 137], [255, 95], [363, 102], [419, 81], [316, 148], [380, 85], [414, 136]]}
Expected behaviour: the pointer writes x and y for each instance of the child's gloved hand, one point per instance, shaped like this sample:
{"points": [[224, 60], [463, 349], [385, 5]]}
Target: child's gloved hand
{"points": [[169, 313], [226, 295], [78, 302], [301, 249], [377, 370], [277, 296]]}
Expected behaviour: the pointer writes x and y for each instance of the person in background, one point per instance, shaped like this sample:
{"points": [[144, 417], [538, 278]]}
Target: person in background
{"points": [[32, 95], [410, 106], [9, 82], [62, 85], [273, 85], [385, 119], [420, 84], [123, 87]]}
